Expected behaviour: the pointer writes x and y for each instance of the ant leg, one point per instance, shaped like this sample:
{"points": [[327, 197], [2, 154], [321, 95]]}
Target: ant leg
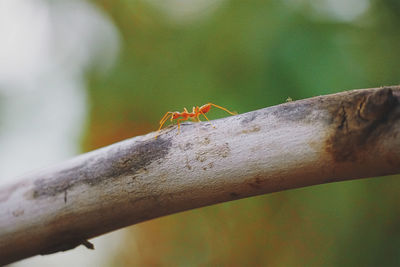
{"points": [[179, 124], [201, 112], [165, 117], [162, 122], [196, 115], [230, 112]]}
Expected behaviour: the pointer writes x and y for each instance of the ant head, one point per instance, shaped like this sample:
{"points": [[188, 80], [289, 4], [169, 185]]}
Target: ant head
{"points": [[175, 115]]}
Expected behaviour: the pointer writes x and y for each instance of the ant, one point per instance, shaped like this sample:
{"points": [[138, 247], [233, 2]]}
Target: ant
{"points": [[194, 115]]}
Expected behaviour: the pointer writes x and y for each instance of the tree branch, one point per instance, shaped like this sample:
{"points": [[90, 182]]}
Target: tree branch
{"points": [[349, 135]]}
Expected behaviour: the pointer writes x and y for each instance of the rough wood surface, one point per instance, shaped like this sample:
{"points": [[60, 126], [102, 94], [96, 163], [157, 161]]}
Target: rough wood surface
{"points": [[349, 135]]}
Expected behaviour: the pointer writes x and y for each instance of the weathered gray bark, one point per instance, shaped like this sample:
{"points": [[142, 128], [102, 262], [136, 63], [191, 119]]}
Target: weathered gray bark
{"points": [[350, 135]]}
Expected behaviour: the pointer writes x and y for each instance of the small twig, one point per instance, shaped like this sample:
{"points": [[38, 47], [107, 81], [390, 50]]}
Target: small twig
{"points": [[350, 135], [87, 244]]}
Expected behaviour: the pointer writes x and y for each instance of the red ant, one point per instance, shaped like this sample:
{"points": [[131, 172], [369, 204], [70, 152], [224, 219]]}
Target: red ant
{"points": [[194, 115]]}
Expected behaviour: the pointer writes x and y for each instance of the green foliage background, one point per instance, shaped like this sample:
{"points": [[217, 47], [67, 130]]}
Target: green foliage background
{"points": [[246, 55]]}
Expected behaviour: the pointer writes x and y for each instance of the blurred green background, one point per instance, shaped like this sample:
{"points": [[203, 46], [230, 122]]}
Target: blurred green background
{"points": [[246, 55]]}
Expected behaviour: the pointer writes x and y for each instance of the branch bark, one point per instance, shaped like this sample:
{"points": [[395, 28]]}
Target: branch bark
{"points": [[349, 135]]}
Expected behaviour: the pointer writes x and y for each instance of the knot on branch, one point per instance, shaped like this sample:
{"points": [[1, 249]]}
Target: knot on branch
{"points": [[358, 121]]}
